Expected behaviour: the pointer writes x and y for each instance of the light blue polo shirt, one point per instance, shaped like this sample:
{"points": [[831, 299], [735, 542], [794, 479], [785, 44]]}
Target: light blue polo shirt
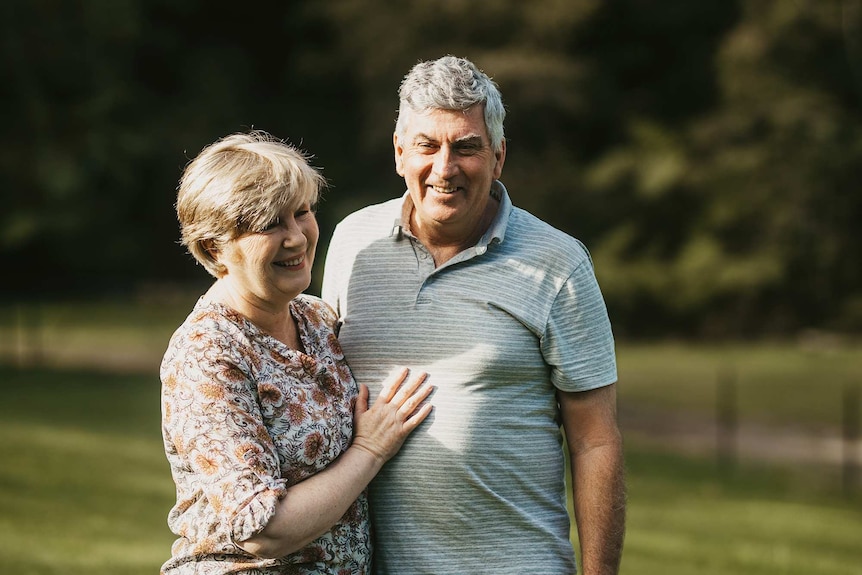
{"points": [[479, 487]]}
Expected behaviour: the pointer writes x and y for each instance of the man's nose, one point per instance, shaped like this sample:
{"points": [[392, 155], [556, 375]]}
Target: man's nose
{"points": [[445, 163]]}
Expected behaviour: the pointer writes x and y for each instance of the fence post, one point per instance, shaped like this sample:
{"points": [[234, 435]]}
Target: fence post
{"points": [[852, 432], [20, 335], [726, 419], [29, 334]]}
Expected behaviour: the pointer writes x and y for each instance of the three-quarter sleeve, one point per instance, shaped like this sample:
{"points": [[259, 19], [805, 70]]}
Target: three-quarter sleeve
{"points": [[213, 420]]}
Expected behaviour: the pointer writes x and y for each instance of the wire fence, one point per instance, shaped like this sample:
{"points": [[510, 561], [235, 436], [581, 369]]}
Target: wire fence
{"points": [[25, 343]]}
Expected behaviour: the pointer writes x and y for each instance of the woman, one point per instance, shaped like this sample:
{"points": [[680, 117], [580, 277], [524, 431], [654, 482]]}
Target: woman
{"points": [[270, 442]]}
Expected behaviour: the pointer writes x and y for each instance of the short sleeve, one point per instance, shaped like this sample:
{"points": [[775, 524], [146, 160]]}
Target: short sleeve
{"points": [[333, 272], [578, 341]]}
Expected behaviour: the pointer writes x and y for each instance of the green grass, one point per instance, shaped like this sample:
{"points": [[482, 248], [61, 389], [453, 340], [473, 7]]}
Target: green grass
{"points": [[779, 384], [85, 488], [117, 334], [84, 485], [686, 518]]}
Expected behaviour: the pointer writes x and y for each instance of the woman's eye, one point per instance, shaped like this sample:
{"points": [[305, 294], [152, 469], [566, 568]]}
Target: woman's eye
{"points": [[304, 211], [274, 223]]}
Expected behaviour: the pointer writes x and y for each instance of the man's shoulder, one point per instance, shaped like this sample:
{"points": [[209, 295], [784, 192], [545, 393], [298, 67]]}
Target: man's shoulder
{"points": [[374, 216], [529, 232]]}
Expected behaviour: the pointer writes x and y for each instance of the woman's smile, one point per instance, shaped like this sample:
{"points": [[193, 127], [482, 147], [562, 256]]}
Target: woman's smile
{"points": [[296, 263]]}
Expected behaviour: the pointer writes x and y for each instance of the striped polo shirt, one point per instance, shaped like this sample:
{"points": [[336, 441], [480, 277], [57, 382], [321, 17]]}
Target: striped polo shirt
{"points": [[479, 486]]}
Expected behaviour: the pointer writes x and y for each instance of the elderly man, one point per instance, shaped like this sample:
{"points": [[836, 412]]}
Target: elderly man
{"points": [[505, 314]]}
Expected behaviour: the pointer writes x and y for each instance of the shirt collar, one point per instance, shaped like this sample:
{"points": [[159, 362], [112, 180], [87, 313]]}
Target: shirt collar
{"points": [[497, 229]]}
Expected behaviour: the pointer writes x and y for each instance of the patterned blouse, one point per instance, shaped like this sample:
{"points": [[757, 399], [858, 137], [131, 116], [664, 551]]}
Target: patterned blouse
{"points": [[244, 417]]}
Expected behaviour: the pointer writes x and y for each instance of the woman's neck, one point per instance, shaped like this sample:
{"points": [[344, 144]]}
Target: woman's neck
{"points": [[274, 319]]}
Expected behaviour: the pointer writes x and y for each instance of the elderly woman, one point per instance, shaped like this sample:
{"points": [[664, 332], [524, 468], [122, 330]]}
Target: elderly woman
{"points": [[271, 443]]}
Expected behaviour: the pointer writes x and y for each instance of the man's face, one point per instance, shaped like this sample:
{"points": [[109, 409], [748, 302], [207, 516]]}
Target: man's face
{"points": [[448, 164]]}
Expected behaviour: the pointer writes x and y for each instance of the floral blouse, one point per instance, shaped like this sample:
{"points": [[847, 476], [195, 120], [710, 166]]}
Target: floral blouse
{"points": [[244, 417]]}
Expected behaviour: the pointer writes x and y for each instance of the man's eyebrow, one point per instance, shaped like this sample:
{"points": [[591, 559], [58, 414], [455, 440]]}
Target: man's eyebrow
{"points": [[469, 140]]}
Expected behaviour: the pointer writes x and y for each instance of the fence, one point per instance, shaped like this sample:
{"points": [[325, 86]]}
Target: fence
{"points": [[729, 438], [24, 343]]}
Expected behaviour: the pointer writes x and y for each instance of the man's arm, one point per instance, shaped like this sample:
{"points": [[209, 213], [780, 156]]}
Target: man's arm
{"points": [[598, 480]]}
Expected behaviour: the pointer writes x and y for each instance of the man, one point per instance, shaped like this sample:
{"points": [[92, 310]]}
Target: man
{"points": [[505, 314]]}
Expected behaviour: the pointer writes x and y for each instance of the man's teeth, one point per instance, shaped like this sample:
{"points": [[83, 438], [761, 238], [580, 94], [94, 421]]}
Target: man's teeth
{"points": [[443, 189]]}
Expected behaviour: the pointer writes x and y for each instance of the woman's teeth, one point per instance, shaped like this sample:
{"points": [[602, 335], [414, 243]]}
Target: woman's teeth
{"points": [[289, 263]]}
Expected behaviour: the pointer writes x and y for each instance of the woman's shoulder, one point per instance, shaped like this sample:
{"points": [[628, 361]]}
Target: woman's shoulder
{"points": [[314, 310], [211, 320], [210, 330]]}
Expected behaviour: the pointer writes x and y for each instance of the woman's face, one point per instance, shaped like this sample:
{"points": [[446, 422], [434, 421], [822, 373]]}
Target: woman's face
{"points": [[273, 265]]}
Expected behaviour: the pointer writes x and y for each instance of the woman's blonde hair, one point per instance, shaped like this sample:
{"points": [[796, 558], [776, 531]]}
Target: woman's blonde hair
{"points": [[239, 184]]}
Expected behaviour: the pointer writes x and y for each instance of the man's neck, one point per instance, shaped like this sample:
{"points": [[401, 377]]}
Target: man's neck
{"points": [[444, 245]]}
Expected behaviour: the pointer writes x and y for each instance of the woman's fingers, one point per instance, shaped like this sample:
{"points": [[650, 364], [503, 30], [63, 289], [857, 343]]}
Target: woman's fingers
{"points": [[404, 396], [361, 400], [418, 416], [397, 412], [408, 388], [395, 390], [409, 405], [392, 383]]}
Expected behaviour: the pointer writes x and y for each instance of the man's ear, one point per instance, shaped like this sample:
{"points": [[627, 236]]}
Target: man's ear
{"points": [[399, 152], [500, 159]]}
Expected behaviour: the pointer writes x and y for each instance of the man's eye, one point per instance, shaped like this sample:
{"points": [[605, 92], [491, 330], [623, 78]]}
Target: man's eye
{"points": [[468, 150]]}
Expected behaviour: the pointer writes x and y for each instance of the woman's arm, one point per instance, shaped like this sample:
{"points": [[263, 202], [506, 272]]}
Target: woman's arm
{"points": [[313, 506]]}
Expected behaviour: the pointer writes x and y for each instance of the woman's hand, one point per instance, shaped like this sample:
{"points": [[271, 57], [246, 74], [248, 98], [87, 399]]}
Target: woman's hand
{"points": [[314, 505], [398, 410]]}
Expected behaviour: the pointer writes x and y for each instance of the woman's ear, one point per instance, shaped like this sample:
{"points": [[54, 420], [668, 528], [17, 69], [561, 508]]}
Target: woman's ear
{"points": [[210, 246]]}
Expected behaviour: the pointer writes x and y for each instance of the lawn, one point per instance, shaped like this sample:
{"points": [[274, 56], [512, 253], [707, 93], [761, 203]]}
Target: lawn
{"points": [[84, 485], [84, 488], [783, 384]]}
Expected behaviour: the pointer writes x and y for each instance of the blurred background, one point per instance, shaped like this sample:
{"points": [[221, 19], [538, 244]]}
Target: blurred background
{"points": [[709, 154]]}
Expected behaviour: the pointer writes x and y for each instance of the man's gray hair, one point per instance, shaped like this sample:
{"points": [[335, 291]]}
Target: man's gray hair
{"points": [[451, 83]]}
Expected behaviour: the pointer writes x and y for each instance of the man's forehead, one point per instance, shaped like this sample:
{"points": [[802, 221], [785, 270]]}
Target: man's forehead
{"points": [[463, 126]]}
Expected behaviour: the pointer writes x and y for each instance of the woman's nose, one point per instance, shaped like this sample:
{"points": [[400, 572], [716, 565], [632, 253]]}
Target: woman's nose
{"points": [[292, 234]]}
